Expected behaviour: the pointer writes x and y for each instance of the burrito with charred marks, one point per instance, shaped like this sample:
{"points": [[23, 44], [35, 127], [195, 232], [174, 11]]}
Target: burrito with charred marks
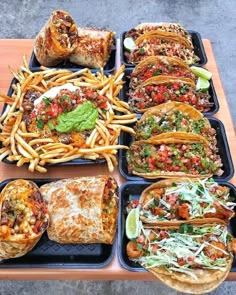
{"points": [[82, 209], [24, 218], [93, 47], [56, 40]]}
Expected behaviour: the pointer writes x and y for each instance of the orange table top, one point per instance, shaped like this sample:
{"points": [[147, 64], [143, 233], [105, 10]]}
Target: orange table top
{"points": [[11, 53]]}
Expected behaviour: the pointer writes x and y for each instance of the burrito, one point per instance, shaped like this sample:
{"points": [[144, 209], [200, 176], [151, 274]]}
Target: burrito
{"points": [[56, 40], [173, 117], [166, 27], [158, 42], [177, 201], [173, 154], [93, 47], [24, 218], [189, 258], [82, 210], [159, 65], [160, 89]]}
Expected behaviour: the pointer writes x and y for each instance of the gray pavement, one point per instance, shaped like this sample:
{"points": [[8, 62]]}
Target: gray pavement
{"points": [[214, 19]]}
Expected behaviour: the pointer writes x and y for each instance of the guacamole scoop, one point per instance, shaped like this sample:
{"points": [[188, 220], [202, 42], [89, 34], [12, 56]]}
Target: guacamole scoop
{"points": [[82, 118]]}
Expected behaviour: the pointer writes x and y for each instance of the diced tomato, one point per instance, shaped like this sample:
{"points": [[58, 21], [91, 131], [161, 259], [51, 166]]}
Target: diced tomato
{"points": [[140, 239], [181, 261], [155, 248]]}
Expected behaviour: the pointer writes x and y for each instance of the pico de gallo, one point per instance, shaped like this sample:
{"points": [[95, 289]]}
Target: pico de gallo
{"points": [[195, 159], [183, 250], [67, 115], [187, 200], [152, 95]]}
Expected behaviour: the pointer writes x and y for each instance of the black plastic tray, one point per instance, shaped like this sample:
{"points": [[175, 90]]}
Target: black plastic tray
{"points": [[197, 44], [34, 65], [73, 162], [133, 190], [50, 254], [214, 109], [222, 144]]}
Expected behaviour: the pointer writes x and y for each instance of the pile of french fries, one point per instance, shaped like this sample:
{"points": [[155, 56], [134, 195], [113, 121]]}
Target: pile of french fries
{"points": [[24, 147]]}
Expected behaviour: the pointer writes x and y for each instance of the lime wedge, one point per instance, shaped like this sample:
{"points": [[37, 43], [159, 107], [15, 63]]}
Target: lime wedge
{"points": [[132, 224], [129, 44], [201, 72], [202, 84]]}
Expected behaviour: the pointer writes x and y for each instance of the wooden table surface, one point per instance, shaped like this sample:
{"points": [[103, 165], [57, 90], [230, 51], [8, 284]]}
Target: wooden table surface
{"points": [[11, 53]]}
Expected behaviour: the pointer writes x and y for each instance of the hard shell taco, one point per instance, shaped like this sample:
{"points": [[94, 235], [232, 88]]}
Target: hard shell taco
{"points": [[189, 258], [173, 154], [162, 43], [181, 200], [159, 65], [160, 89]]}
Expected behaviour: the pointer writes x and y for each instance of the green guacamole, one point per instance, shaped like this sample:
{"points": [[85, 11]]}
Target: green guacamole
{"points": [[81, 119]]}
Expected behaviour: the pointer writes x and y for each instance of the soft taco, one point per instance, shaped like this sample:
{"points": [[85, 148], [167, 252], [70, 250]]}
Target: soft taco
{"points": [[166, 27], [189, 258], [173, 117], [173, 154], [160, 89], [159, 65], [162, 43], [181, 200]]}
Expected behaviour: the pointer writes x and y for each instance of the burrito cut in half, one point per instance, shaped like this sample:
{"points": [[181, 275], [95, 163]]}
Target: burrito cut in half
{"points": [[160, 89], [173, 154], [153, 66], [82, 210], [24, 218], [177, 201], [56, 40], [162, 43], [192, 259], [93, 47]]}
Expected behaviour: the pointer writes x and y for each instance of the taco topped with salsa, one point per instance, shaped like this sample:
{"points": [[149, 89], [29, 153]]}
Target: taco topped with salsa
{"points": [[160, 89], [162, 43], [153, 66], [173, 154]]}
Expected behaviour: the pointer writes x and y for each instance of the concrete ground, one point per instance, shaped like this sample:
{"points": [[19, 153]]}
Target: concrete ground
{"points": [[214, 19]]}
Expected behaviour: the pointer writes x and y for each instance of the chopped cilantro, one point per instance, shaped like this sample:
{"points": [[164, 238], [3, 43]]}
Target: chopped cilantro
{"points": [[47, 101]]}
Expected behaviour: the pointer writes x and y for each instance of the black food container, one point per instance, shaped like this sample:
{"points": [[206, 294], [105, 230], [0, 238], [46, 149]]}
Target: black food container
{"points": [[132, 191], [49, 254], [222, 144]]}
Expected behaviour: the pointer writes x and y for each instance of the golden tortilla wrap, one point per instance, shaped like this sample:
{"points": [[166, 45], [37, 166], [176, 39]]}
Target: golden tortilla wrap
{"points": [[24, 218], [56, 40], [171, 106], [156, 191], [164, 35], [141, 151], [82, 210], [93, 47]]}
